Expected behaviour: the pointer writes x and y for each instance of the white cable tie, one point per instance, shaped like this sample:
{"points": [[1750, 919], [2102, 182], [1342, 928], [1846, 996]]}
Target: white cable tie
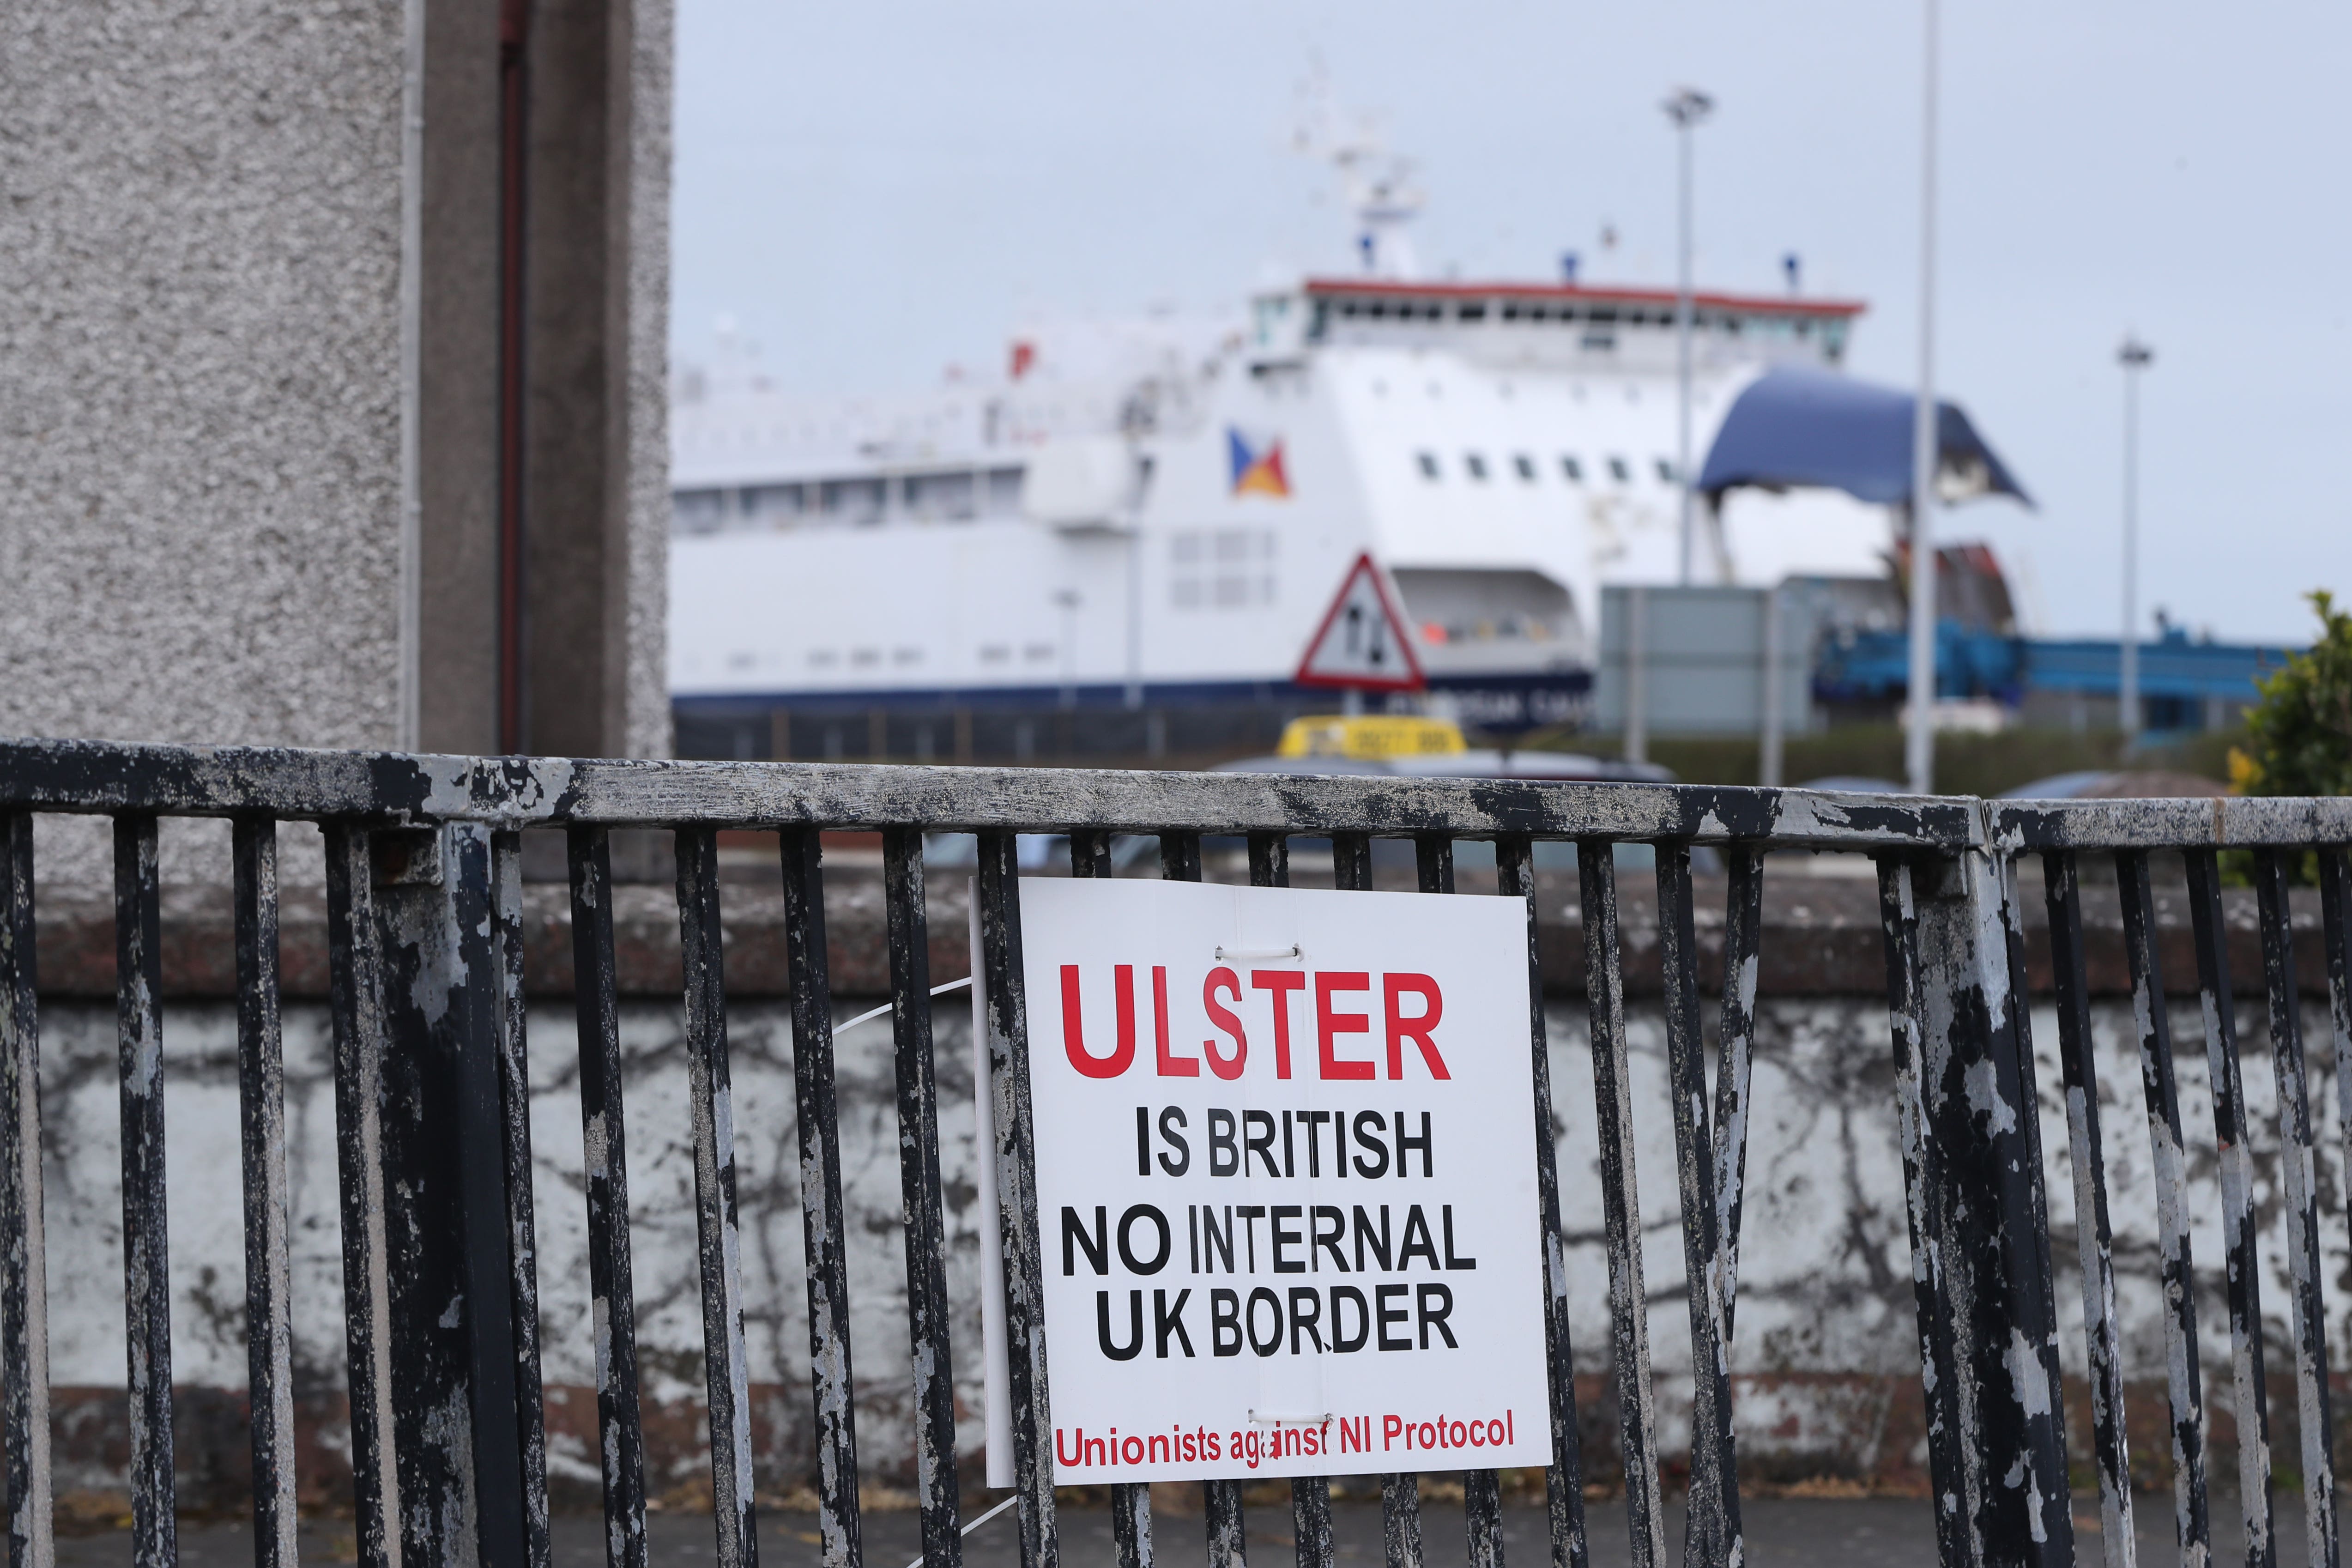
{"points": [[1293, 950], [1008, 1502], [1257, 1420], [877, 1012]]}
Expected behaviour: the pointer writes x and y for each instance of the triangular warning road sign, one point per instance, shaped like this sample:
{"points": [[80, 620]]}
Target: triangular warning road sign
{"points": [[1362, 642]]}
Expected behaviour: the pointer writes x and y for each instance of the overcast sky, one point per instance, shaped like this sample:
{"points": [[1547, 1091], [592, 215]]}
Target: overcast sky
{"points": [[876, 191]]}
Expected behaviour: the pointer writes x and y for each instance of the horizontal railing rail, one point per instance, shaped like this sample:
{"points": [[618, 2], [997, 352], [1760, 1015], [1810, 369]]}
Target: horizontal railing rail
{"points": [[428, 1016], [84, 777]]}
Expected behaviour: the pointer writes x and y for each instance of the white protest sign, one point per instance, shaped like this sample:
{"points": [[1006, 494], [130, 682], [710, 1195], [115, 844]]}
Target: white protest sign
{"points": [[1285, 1183]]}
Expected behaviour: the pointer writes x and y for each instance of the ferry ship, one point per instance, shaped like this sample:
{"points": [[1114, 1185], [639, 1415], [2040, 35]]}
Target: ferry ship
{"points": [[1119, 546]]}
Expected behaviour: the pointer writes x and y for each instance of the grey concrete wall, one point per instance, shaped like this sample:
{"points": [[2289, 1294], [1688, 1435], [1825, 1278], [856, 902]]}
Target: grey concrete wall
{"points": [[644, 629], [200, 348], [596, 427], [201, 435], [1825, 1353], [457, 400]]}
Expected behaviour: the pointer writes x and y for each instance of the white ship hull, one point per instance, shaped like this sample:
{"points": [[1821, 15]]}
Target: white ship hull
{"points": [[1168, 529]]}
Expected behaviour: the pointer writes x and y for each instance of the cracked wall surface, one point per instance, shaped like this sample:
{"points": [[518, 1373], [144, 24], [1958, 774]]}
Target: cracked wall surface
{"points": [[1825, 1355]]}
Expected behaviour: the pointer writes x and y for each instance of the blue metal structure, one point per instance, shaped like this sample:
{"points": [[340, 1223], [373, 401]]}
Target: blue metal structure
{"points": [[2177, 678]]}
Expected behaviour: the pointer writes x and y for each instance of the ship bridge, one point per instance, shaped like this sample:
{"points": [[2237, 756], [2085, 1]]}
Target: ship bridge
{"points": [[1567, 325]]}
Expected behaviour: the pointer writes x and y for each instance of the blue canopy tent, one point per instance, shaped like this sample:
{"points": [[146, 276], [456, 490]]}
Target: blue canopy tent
{"points": [[1798, 426]]}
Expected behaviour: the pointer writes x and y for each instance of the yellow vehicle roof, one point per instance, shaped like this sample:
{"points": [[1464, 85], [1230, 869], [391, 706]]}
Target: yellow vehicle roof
{"points": [[1370, 737]]}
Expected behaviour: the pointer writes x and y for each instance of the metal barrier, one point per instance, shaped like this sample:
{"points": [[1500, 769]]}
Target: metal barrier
{"points": [[441, 1314]]}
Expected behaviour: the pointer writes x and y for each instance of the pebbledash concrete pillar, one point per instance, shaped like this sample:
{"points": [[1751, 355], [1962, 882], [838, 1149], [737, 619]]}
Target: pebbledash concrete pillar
{"points": [[333, 350]]}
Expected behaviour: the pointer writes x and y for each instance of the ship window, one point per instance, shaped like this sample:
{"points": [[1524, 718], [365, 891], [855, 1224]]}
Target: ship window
{"points": [[1475, 464], [1537, 313], [1666, 471], [1510, 312], [700, 511], [1619, 471], [1184, 548], [775, 502], [1004, 491], [940, 495], [1376, 309], [1428, 461], [859, 501], [1599, 341], [1184, 593], [1526, 466], [864, 657], [1231, 590], [1567, 314], [1605, 312], [995, 653], [1347, 309], [1476, 312], [824, 659], [1234, 544], [1038, 652], [1570, 469]]}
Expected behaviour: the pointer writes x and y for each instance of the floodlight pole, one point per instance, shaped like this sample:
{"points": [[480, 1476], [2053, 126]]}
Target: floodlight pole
{"points": [[1919, 742], [1138, 472], [1687, 107], [1068, 599], [2135, 357]]}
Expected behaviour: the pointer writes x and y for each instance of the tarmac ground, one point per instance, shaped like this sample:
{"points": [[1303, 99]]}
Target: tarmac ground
{"points": [[1781, 1532]]}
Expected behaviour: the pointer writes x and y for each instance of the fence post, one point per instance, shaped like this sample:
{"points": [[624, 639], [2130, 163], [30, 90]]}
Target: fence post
{"points": [[1991, 1216], [454, 1412]]}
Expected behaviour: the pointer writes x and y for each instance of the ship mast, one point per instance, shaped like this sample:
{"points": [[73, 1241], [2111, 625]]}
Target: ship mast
{"points": [[1382, 194]]}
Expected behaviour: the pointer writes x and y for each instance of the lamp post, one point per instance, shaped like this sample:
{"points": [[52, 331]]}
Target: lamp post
{"points": [[1068, 600], [1920, 741], [2135, 357], [1687, 107]]}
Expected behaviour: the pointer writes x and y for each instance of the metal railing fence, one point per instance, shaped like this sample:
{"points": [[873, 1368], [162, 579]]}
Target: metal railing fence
{"points": [[425, 936]]}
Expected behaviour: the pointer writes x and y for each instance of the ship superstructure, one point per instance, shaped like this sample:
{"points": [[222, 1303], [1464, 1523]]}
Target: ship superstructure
{"points": [[1146, 518]]}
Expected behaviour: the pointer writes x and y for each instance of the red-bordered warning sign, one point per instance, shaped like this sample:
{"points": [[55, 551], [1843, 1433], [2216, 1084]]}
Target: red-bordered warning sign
{"points": [[1363, 643]]}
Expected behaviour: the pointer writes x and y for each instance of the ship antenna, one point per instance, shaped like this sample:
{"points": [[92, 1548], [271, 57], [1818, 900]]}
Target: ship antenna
{"points": [[1382, 192]]}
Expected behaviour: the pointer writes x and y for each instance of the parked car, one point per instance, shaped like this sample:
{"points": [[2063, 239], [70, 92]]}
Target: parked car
{"points": [[1473, 763], [2128, 783]]}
